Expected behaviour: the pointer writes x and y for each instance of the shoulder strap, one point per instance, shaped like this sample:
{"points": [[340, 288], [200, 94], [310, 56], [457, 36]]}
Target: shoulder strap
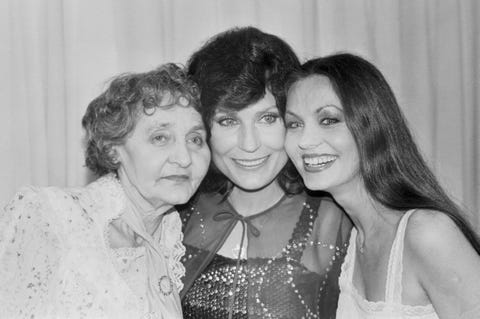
{"points": [[393, 289], [348, 264]]}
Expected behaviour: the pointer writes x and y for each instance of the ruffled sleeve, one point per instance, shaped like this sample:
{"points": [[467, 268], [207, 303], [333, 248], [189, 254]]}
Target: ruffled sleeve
{"points": [[29, 256]]}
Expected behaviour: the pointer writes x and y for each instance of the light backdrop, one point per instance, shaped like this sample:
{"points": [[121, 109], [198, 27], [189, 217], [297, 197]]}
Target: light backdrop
{"points": [[56, 56]]}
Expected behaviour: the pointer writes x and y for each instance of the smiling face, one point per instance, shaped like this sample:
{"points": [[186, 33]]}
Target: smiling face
{"points": [[248, 145], [166, 157], [318, 140]]}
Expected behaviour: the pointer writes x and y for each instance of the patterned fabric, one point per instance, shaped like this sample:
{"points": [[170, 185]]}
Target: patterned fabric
{"points": [[297, 279], [352, 305], [55, 261]]}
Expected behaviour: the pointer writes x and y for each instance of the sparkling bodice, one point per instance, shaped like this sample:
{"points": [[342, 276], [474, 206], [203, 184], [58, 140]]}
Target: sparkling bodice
{"points": [[280, 288], [291, 283]]}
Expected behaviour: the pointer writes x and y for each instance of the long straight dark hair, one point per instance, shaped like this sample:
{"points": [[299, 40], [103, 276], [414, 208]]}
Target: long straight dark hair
{"points": [[393, 170]]}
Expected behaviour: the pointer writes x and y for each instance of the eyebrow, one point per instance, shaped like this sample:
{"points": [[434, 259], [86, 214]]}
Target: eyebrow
{"points": [[287, 112], [271, 107], [224, 111], [227, 111], [199, 127], [160, 126], [319, 109]]}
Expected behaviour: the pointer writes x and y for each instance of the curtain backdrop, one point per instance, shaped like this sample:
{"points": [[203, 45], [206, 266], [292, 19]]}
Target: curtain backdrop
{"points": [[56, 56]]}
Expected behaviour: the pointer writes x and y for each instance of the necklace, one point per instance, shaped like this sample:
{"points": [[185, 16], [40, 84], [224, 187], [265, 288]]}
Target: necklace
{"points": [[361, 249], [360, 245]]}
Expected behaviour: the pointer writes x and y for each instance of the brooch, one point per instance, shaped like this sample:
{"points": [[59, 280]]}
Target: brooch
{"points": [[165, 285]]}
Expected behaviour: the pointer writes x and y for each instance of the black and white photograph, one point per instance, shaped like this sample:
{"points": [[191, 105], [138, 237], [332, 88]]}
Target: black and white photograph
{"points": [[240, 159]]}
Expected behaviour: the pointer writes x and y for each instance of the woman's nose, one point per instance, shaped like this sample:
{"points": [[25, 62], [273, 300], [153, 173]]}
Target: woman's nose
{"points": [[180, 155], [249, 139], [310, 138]]}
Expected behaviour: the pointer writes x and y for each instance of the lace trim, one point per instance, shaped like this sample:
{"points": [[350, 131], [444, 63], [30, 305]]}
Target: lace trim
{"points": [[347, 287], [111, 185], [171, 239], [171, 244], [379, 306]]}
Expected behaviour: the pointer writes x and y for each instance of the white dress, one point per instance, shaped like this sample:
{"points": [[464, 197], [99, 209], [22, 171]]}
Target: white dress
{"points": [[351, 305], [56, 262]]}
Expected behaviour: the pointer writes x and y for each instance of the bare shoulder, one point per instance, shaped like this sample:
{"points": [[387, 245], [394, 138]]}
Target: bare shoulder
{"points": [[431, 240], [443, 261], [429, 229]]}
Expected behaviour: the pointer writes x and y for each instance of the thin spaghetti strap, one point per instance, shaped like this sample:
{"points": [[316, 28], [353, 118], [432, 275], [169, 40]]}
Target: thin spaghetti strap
{"points": [[349, 262], [393, 289]]}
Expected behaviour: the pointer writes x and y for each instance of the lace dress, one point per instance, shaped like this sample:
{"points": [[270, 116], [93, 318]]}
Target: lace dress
{"points": [[294, 254], [352, 305], [56, 262]]}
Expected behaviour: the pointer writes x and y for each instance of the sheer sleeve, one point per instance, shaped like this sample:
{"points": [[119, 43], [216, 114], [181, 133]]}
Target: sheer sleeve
{"points": [[326, 251], [29, 256], [202, 236], [295, 250]]}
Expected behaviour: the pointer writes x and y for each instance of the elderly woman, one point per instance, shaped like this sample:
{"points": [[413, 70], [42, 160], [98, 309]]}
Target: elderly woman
{"points": [[113, 248]]}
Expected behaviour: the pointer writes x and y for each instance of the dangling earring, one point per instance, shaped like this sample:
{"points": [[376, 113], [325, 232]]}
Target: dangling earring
{"points": [[112, 153]]}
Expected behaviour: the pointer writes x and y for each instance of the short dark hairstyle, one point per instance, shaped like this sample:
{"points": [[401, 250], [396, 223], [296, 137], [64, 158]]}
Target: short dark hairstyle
{"points": [[392, 168], [233, 70], [112, 116]]}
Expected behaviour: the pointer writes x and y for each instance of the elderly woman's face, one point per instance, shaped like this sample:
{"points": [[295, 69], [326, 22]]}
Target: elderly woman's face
{"points": [[166, 157]]}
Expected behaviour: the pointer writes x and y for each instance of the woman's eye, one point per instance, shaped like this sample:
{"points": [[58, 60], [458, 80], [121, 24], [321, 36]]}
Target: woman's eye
{"points": [[329, 121], [197, 140], [227, 121], [269, 118], [293, 124], [160, 138]]}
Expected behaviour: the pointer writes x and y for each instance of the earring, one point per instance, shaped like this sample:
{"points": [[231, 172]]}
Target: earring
{"points": [[112, 153]]}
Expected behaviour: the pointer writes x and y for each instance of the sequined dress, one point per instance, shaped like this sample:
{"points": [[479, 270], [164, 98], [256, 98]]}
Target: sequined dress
{"points": [[294, 254]]}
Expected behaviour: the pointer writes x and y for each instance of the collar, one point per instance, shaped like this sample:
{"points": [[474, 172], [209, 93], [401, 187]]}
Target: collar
{"points": [[104, 199]]}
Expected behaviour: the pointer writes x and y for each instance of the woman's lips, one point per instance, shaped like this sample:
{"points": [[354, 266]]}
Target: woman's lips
{"points": [[250, 163], [177, 177], [317, 162]]}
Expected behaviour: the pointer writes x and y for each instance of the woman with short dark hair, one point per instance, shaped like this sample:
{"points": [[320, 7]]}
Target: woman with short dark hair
{"points": [[257, 245], [111, 249]]}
